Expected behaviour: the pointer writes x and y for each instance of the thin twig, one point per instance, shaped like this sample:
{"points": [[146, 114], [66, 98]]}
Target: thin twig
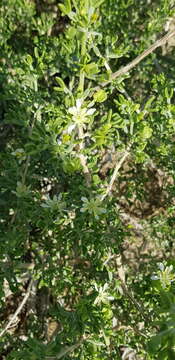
{"points": [[115, 173], [137, 60], [82, 158], [85, 169], [12, 320]]}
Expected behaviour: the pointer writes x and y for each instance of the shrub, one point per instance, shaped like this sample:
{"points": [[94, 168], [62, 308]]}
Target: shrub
{"points": [[87, 180]]}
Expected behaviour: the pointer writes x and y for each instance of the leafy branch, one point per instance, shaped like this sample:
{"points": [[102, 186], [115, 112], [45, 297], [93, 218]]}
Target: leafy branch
{"points": [[125, 69]]}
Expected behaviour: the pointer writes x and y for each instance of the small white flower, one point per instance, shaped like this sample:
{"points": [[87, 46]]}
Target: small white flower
{"points": [[103, 296], [165, 275], [79, 114]]}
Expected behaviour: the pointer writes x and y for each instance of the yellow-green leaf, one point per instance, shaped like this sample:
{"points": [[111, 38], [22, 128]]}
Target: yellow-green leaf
{"points": [[91, 69], [100, 96]]}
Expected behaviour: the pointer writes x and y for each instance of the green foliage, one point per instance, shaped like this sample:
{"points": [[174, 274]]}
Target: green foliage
{"points": [[76, 161]]}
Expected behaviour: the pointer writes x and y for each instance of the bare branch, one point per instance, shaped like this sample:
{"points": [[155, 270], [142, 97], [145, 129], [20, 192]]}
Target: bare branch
{"points": [[137, 60], [115, 173]]}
